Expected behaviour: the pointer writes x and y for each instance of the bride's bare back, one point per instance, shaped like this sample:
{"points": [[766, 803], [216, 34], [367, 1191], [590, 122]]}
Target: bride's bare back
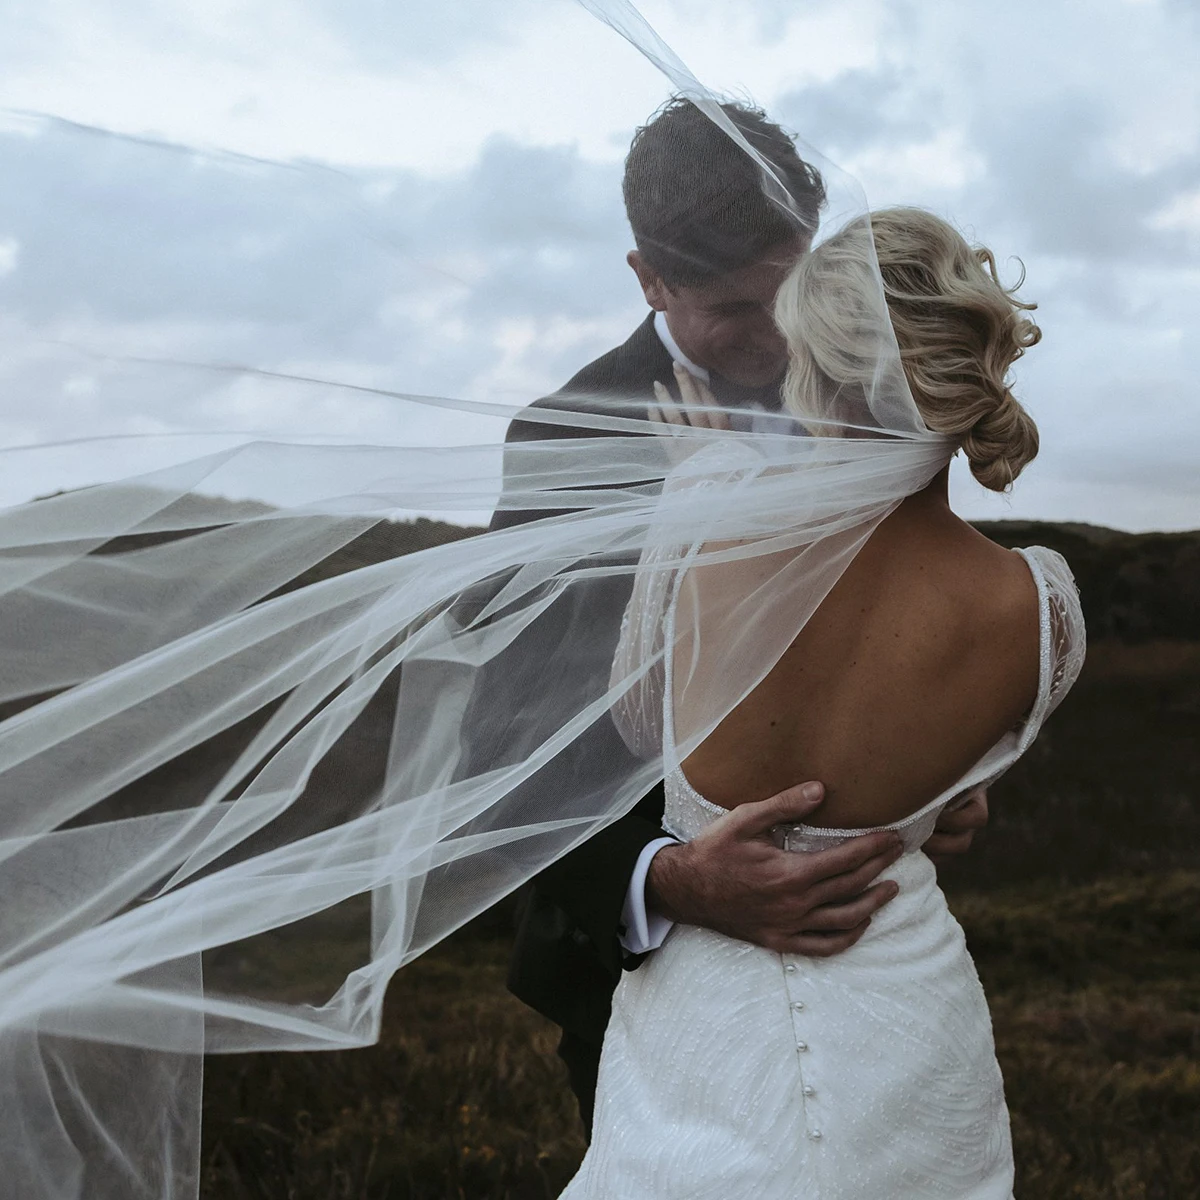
{"points": [[921, 658]]}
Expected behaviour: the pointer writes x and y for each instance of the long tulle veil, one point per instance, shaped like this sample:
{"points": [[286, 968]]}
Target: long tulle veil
{"points": [[403, 731]]}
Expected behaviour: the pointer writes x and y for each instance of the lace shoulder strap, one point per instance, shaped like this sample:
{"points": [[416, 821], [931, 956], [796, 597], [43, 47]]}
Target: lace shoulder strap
{"points": [[641, 657], [1063, 636], [645, 717]]}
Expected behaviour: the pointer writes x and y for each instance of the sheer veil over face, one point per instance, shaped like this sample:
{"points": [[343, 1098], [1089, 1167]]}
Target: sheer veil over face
{"points": [[241, 696]]}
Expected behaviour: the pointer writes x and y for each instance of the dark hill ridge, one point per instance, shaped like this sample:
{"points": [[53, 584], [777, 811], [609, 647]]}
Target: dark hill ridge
{"points": [[1135, 587]]}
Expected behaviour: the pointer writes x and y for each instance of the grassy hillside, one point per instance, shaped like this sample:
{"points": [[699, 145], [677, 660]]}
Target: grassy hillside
{"points": [[1095, 997], [1081, 906], [1113, 782]]}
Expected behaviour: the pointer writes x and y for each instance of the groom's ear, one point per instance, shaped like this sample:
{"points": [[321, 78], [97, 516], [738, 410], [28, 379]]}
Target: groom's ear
{"points": [[653, 288]]}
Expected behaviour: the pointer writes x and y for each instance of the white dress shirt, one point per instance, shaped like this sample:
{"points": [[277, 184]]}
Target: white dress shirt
{"points": [[664, 335]]}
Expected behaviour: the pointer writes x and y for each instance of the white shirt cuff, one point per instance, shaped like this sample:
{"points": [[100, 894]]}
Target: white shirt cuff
{"points": [[644, 931]]}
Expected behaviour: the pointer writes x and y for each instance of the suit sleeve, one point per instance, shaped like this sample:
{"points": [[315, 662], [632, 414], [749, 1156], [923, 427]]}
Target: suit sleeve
{"points": [[589, 884]]}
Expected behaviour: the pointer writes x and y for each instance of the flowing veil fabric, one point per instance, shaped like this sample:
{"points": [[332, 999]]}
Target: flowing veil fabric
{"points": [[403, 742]]}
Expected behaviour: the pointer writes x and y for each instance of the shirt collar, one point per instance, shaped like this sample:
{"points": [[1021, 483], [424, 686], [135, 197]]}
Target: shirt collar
{"points": [[672, 347], [755, 417]]}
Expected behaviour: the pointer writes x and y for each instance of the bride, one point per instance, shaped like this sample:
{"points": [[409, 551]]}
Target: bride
{"points": [[731, 1070]]}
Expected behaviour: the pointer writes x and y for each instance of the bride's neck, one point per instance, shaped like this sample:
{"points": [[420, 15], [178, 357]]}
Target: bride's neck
{"points": [[934, 496]]}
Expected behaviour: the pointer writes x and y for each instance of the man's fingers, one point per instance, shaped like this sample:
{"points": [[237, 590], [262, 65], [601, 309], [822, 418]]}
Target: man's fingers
{"points": [[837, 889], [957, 826], [819, 945], [943, 845], [850, 856], [790, 806], [665, 411], [965, 820], [968, 816], [841, 918]]}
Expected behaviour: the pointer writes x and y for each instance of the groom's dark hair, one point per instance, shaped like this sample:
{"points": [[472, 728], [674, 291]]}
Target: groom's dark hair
{"points": [[696, 201]]}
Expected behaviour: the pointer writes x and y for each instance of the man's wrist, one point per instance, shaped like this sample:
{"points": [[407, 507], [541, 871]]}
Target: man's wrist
{"points": [[665, 881]]}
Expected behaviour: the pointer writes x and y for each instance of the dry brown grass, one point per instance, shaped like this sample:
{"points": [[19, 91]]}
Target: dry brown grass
{"points": [[1095, 998], [1095, 994], [463, 1097], [1081, 906]]}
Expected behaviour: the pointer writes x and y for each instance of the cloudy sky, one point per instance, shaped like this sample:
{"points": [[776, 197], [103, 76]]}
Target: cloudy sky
{"points": [[425, 197]]}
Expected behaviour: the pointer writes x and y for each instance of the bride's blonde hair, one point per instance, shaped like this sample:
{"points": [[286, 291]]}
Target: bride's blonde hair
{"points": [[958, 328]]}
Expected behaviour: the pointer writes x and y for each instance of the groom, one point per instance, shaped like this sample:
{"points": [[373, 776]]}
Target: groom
{"points": [[711, 252]]}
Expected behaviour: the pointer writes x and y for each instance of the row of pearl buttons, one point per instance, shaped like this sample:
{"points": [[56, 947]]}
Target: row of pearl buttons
{"points": [[807, 1089]]}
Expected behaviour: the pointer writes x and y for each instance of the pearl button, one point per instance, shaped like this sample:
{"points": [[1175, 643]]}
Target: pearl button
{"points": [[815, 1134], [790, 968], [798, 1005], [809, 1090], [801, 1045]]}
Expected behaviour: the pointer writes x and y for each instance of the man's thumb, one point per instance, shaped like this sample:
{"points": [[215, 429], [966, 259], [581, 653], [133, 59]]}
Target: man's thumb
{"points": [[790, 806]]}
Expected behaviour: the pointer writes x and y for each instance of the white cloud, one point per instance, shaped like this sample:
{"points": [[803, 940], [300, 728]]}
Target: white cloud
{"points": [[1180, 213], [470, 241], [9, 248], [1075, 144], [150, 259], [340, 83]]}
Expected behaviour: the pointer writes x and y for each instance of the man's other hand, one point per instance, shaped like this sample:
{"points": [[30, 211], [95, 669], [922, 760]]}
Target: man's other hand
{"points": [[957, 826], [733, 879]]}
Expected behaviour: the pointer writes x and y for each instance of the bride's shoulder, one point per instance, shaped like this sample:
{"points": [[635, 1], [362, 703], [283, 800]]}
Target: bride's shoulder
{"points": [[1064, 631], [1058, 598], [1050, 569], [997, 593]]}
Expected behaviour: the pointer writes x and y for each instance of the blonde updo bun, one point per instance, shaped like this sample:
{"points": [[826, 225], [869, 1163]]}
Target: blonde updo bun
{"points": [[959, 330], [1001, 444]]}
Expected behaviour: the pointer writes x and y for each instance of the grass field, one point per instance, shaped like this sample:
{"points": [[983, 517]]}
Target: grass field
{"points": [[1095, 995], [1081, 906]]}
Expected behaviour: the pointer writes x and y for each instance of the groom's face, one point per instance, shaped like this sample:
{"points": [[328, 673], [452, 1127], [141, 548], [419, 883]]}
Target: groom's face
{"points": [[726, 324]]}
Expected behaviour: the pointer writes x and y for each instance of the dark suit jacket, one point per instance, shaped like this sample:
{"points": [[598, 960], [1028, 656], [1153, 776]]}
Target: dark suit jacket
{"points": [[568, 958]]}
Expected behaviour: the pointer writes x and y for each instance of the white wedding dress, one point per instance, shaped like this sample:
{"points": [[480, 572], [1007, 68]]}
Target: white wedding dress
{"points": [[729, 1071]]}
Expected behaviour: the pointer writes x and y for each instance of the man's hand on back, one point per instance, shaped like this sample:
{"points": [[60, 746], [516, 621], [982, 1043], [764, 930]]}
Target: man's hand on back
{"points": [[733, 879], [957, 827]]}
